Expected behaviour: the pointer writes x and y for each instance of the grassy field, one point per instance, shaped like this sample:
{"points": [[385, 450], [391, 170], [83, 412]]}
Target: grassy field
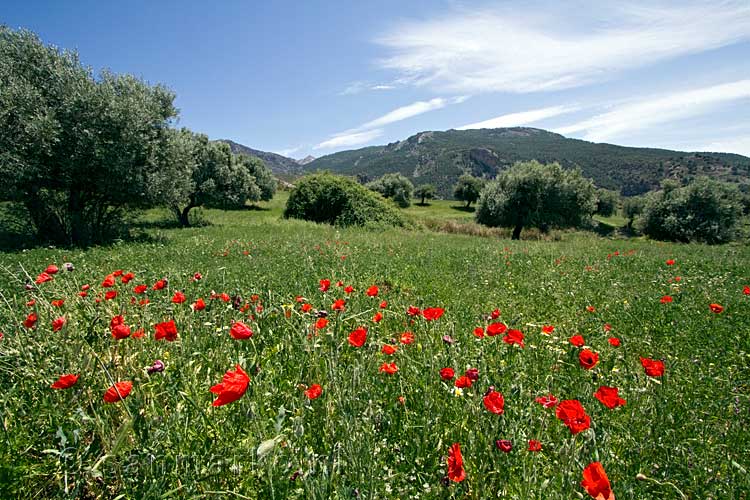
{"points": [[371, 434]]}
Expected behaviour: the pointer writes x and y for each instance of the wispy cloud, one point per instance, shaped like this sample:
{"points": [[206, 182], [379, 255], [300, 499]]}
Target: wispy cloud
{"points": [[531, 49], [521, 118], [289, 151], [357, 87], [372, 129], [739, 145], [637, 116]]}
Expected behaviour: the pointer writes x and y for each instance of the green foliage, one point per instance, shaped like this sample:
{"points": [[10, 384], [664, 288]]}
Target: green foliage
{"points": [[705, 210], [468, 188], [333, 199], [425, 192], [537, 195], [263, 176], [394, 186], [632, 207], [606, 202], [75, 150]]}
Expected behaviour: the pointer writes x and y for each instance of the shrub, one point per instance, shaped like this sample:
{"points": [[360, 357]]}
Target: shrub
{"points": [[338, 200], [394, 186], [705, 210]]}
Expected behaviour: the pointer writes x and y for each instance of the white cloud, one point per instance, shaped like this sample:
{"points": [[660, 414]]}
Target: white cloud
{"points": [[739, 145], [357, 87], [521, 118], [289, 151], [530, 49], [350, 138], [637, 116]]}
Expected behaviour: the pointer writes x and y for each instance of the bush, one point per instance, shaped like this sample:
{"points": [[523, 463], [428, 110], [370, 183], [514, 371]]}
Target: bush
{"points": [[530, 194], [606, 202], [394, 186], [338, 200], [706, 210]]}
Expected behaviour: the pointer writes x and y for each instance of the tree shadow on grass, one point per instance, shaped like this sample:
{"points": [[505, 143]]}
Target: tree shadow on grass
{"points": [[463, 208]]}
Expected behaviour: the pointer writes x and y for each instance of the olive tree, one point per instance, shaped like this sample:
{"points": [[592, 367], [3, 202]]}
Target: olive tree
{"points": [[468, 188], [394, 186], [531, 194], [425, 192], [606, 202]]}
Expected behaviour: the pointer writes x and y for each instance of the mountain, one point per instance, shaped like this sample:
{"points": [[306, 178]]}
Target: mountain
{"points": [[279, 165], [441, 157], [307, 159]]}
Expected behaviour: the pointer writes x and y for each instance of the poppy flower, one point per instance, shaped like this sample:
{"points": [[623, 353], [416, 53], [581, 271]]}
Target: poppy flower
{"points": [[138, 334], [65, 381], [596, 483], [588, 359], [43, 278], [372, 291], [447, 373], [514, 337], [384, 304], [197, 277], [58, 323], [31, 303], [118, 273], [306, 308], [389, 349], [496, 329], [240, 331], [109, 281], [110, 295], [199, 305], [321, 323], [118, 391], [577, 340], [358, 337], [51, 269], [548, 401], [232, 387], [746, 290], [462, 382], [338, 305], [407, 338], [716, 308], [433, 313], [653, 367], [324, 285], [314, 391], [156, 367], [494, 402], [178, 297], [614, 341], [535, 445], [139, 289], [607, 327], [378, 317], [58, 303], [30, 321], [670, 262], [666, 299], [349, 289], [547, 329], [478, 332], [166, 330], [456, 472], [389, 368], [495, 314], [573, 415], [339, 283], [590, 309], [504, 445], [609, 397], [413, 311], [127, 278]]}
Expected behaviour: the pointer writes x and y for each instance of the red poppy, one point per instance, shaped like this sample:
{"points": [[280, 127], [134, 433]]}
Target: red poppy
{"points": [[127, 278], [358, 337], [139, 289], [232, 386], [30, 321], [118, 327], [65, 381], [596, 483], [139, 334], [609, 397], [197, 277], [109, 281], [384, 304], [58, 323], [447, 373], [324, 285], [504, 445], [456, 472], [716, 308], [666, 299], [321, 323], [496, 329], [535, 445], [378, 317], [389, 368], [614, 341], [433, 313], [653, 367], [58, 303], [413, 311], [590, 309], [43, 278], [306, 308], [607, 327], [577, 340], [495, 314], [338, 305], [407, 338], [110, 295], [479, 332], [349, 289], [670, 262], [118, 273], [463, 382], [52, 269], [31, 303], [314, 391], [389, 349], [339, 283], [494, 402], [166, 330], [572, 413], [746, 290], [178, 297], [240, 331], [199, 305], [514, 337], [588, 359], [373, 291], [118, 392], [548, 401], [159, 285], [547, 329]]}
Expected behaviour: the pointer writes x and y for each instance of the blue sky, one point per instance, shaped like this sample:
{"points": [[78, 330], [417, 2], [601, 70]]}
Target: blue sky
{"points": [[317, 77]]}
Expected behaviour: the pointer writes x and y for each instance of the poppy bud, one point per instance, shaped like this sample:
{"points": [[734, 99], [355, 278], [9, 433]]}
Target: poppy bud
{"points": [[504, 445], [448, 339], [69, 266], [158, 366], [472, 374]]}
